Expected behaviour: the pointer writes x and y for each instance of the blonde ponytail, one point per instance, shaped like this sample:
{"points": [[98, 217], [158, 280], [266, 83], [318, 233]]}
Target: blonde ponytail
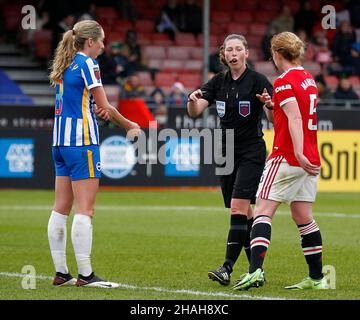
{"points": [[72, 41], [64, 55]]}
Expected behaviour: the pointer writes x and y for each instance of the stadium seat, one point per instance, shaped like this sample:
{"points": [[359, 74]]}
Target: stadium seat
{"points": [[331, 82], [145, 38], [145, 78], [214, 41], [172, 65], [265, 67], [190, 80], [313, 67], [155, 64], [193, 65], [161, 39], [155, 52], [240, 28], [106, 13], [164, 79], [218, 28], [185, 39], [42, 41], [242, 16], [264, 16], [220, 16], [115, 37], [145, 26], [196, 53], [254, 41], [271, 5], [179, 53], [250, 5], [225, 5], [258, 29], [12, 16], [121, 25]]}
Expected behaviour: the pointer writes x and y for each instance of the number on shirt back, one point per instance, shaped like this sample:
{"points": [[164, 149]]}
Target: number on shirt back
{"points": [[312, 126]]}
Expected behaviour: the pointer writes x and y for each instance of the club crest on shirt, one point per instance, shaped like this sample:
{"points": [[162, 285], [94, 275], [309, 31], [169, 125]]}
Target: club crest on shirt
{"points": [[220, 108], [244, 108], [97, 73]]}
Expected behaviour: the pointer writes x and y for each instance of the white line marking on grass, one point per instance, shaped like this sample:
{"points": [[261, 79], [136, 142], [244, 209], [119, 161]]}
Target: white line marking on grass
{"points": [[167, 208], [158, 289]]}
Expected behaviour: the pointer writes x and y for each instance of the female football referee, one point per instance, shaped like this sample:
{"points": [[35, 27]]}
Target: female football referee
{"points": [[234, 92], [76, 76]]}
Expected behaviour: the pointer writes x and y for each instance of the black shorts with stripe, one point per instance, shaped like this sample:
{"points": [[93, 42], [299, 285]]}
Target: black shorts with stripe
{"points": [[242, 183]]}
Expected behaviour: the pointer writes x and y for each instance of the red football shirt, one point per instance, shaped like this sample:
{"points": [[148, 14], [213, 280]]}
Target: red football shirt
{"points": [[298, 85]]}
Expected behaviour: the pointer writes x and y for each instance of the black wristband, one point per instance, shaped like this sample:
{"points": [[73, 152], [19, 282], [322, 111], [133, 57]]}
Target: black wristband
{"points": [[269, 108]]}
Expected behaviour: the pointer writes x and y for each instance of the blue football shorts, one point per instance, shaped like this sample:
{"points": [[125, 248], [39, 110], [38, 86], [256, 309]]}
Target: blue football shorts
{"points": [[78, 163]]}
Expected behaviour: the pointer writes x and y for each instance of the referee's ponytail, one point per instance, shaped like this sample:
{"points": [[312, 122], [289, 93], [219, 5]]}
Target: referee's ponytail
{"points": [[72, 41]]}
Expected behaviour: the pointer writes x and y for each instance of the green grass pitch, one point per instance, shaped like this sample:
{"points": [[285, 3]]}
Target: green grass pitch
{"points": [[159, 245]]}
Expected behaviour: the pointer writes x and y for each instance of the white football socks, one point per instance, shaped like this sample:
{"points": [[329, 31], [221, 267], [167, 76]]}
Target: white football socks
{"points": [[57, 240], [81, 236]]}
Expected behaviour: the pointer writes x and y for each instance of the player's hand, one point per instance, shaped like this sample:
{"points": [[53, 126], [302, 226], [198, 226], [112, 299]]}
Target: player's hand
{"points": [[133, 130], [265, 98], [196, 95], [101, 112], [307, 165]]}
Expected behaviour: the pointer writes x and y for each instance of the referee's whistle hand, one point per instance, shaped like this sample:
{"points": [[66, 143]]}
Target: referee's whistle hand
{"points": [[196, 95], [264, 97]]}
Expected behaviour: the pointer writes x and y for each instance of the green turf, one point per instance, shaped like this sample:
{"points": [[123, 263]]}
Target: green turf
{"points": [[168, 240]]}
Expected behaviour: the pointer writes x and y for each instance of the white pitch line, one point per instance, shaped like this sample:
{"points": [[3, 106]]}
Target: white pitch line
{"points": [[159, 289], [166, 208]]}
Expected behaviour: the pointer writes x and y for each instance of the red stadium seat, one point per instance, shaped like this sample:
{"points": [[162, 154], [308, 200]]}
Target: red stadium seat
{"points": [[144, 38], [185, 39], [332, 82], [265, 67], [145, 78], [190, 80], [242, 16], [271, 5], [179, 53], [196, 53], [155, 52], [254, 41], [42, 41], [225, 5], [240, 28], [172, 65], [264, 16], [250, 5], [155, 63], [106, 13], [313, 67], [218, 28], [220, 16], [214, 41], [193, 65], [161, 39], [164, 79], [258, 29], [121, 25], [145, 26]]}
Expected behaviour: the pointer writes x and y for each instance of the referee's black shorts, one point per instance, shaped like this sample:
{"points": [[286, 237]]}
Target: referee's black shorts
{"points": [[243, 182]]}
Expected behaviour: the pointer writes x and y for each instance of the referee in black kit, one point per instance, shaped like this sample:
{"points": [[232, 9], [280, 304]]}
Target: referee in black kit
{"points": [[240, 95]]}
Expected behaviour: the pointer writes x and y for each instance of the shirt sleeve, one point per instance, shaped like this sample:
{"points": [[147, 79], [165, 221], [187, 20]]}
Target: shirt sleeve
{"points": [[209, 90], [283, 91], [90, 72]]}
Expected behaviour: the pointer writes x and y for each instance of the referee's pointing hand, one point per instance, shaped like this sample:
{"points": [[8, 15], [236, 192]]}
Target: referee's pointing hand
{"points": [[265, 98]]}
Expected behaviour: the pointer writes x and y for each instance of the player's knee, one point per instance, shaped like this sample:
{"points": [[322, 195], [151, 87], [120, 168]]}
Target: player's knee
{"points": [[237, 210]]}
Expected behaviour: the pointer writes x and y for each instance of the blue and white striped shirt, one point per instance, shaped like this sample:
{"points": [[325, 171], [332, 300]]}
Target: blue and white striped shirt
{"points": [[75, 122]]}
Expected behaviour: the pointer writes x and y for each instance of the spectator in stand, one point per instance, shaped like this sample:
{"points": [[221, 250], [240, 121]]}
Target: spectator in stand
{"points": [[344, 38], [169, 20], [215, 66], [354, 10], [310, 50], [270, 32], [355, 55], [64, 25], [133, 88], [158, 106], [191, 18], [120, 60], [305, 18], [345, 91], [89, 13], [177, 96], [134, 51], [324, 92], [107, 67], [283, 22]]}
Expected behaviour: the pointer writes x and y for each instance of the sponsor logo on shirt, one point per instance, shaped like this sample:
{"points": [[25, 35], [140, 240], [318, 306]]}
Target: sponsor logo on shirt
{"points": [[284, 87]]}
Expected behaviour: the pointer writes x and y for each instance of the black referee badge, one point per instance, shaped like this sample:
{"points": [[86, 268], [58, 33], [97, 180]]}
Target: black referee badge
{"points": [[220, 108], [244, 108]]}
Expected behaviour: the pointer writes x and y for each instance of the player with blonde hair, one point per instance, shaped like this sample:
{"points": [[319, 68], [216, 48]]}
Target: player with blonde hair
{"points": [[292, 169], [76, 77]]}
